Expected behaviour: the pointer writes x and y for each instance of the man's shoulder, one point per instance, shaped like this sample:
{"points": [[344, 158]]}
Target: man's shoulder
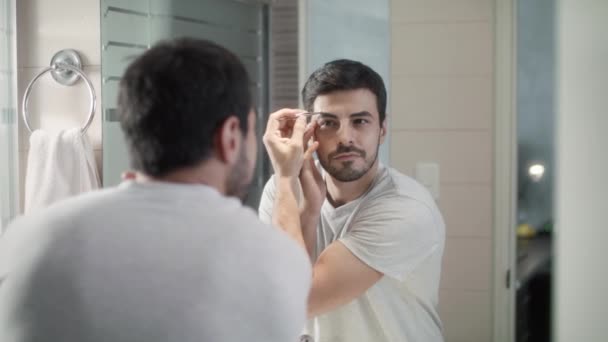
{"points": [[71, 208], [400, 197], [395, 187], [60, 217]]}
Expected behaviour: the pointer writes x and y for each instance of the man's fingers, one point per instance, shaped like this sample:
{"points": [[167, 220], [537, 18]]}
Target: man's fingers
{"points": [[298, 129], [318, 176], [285, 113], [278, 119], [309, 132], [310, 150]]}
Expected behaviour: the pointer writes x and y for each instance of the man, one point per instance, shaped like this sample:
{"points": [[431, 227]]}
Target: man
{"points": [[375, 235], [171, 255]]}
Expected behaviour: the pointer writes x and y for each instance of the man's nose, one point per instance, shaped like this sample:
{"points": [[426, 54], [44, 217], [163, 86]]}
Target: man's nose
{"points": [[345, 134]]}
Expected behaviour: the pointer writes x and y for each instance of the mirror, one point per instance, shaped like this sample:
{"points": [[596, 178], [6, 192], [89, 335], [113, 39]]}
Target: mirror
{"points": [[282, 43]]}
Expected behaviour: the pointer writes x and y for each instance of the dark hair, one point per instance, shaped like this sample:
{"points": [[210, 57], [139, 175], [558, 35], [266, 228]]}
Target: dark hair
{"points": [[344, 74], [174, 97]]}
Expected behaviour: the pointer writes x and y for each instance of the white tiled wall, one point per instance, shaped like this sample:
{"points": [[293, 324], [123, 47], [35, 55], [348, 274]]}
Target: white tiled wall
{"points": [[43, 28], [442, 110]]}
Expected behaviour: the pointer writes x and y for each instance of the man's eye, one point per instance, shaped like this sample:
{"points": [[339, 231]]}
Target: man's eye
{"points": [[360, 121], [328, 123]]}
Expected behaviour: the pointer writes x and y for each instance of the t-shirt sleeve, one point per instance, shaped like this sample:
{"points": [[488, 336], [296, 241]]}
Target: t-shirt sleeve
{"points": [[393, 235], [267, 202]]}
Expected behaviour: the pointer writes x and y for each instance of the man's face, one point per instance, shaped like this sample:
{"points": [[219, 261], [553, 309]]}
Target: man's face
{"points": [[240, 177], [349, 133]]}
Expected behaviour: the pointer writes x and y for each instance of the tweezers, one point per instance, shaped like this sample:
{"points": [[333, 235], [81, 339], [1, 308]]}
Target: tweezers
{"points": [[306, 114]]}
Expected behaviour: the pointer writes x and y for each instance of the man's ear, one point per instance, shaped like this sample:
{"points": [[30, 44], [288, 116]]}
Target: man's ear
{"points": [[228, 141], [383, 130], [128, 175]]}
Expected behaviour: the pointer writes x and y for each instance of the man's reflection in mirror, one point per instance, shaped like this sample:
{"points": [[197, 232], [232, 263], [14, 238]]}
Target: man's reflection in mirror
{"points": [[375, 236]]}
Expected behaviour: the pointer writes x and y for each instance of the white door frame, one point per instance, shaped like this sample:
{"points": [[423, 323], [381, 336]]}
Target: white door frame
{"points": [[505, 160]]}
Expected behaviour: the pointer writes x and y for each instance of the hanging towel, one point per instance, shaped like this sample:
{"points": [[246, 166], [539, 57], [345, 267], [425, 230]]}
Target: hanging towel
{"points": [[58, 166]]}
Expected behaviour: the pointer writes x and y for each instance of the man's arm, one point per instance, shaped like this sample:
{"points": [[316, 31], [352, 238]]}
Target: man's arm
{"points": [[338, 275], [285, 213], [338, 278], [283, 139], [313, 192], [309, 221], [309, 217], [390, 238]]}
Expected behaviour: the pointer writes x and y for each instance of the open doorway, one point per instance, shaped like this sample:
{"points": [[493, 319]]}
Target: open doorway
{"points": [[535, 105]]}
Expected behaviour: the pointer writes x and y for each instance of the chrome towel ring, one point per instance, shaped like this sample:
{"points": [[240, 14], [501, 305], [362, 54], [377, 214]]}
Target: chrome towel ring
{"points": [[66, 69]]}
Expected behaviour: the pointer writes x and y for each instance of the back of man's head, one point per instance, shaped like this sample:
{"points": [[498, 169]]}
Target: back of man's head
{"points": [[173, 98]]}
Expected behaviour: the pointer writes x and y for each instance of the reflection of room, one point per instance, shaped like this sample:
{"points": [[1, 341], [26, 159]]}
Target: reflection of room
{"points": [[535, 165]]}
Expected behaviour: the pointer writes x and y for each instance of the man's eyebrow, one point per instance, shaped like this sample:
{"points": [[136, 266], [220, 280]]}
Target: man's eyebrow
{"points": [[357, 114], [361, 114], [325, 115]]}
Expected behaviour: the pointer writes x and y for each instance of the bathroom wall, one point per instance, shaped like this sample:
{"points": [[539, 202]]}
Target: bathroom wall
{"points": [[43, 28], [442, 102]]}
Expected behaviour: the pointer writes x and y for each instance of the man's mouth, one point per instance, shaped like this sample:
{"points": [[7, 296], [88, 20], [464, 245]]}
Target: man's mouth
{"points": [[346, 156]]}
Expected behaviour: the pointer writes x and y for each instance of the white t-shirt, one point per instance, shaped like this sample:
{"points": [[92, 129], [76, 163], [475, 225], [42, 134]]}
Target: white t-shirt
{"points": [[151, 262], [395, 228]]}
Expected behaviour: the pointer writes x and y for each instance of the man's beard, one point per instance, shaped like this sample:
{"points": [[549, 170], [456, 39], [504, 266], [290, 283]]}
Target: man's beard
{"points": [[239, 179], [347, 173]]}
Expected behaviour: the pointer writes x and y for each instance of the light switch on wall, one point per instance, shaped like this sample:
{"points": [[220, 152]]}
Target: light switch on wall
{"points": [[428, 175]]}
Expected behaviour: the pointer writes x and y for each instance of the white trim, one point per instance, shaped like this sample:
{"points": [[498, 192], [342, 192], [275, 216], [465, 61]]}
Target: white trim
{"points": [[505, 149], [302, 46]]}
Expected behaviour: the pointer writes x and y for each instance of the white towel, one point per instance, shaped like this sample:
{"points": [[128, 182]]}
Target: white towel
{"points": [[58, 166]]}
